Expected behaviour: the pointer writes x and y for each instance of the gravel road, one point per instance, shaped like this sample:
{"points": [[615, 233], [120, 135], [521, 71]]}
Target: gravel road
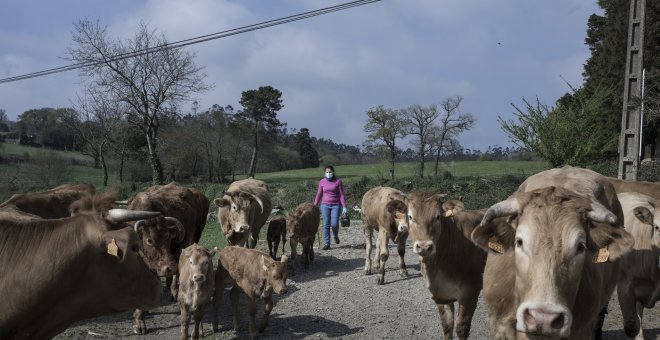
{"points": [[334, 299]]}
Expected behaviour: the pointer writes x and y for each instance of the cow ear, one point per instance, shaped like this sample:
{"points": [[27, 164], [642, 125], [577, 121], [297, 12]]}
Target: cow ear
{"points": [[617, 241], [396, 206], [115, 243], [221, 202], [263, 263], [213, 251], [495, 236], [644, 214], [452, 207]]}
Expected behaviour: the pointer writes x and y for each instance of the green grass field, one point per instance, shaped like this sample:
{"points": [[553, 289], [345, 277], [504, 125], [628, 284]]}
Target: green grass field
{"points": [[479, 183]]}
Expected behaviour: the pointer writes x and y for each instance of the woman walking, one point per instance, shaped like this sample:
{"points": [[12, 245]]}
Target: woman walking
{"points": [[330, 195]]}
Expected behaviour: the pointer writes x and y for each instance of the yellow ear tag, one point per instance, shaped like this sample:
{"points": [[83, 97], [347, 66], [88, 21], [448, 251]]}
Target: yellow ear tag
{"points": [[496, 247], [112, 248], [602, 256], [449, 213], [264, 267]]}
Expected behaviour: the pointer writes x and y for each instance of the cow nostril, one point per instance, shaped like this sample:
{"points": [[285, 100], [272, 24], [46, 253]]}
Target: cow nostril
{"points": [[558, 322], [430, 248]]}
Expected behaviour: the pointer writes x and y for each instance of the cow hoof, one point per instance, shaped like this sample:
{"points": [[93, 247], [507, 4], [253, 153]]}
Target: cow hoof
{"points": [[380, 281], [403, 273], [140, 328]]}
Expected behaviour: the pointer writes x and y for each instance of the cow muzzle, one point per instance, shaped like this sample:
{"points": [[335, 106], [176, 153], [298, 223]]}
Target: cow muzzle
{"points": [[243, 229], [199, 278], [402, 228], [544, 319], [423, 248]]}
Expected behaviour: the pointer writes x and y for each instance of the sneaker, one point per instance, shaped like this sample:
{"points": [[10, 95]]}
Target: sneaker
{"points": [[337, 240], [326, 247]]}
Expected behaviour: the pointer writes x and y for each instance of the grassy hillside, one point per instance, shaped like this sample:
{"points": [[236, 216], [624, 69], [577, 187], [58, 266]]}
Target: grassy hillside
{"points": [[478, 183]]}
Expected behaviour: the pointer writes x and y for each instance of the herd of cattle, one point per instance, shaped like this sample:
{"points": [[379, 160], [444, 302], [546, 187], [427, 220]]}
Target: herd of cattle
{"points": [[548, 258]]}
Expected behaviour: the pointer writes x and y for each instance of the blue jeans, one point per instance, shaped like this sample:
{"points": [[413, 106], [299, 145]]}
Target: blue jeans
{"points": [[330, 215]]}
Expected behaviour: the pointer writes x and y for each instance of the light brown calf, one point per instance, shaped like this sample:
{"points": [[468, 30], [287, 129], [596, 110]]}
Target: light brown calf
{"points": [[303, 225], [385, 211], [256, 275], [451, 264], [196, 285]]}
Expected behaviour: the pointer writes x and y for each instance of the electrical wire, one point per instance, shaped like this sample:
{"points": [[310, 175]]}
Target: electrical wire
{"points": [[192, 41]]}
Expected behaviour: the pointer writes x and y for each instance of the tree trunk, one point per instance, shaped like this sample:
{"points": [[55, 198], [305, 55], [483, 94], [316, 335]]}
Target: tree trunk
{"points": [[392, 155], [253, 162], [121, 165], [437, 161], [156, 166], [104, 166], [421, 162]]}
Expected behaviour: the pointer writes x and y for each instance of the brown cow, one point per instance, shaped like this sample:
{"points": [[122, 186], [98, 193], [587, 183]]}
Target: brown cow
{"points": [[303, 226], [639, 284], [276, 233], [385, 211], [451, 264], [196, 285], [647, 188], [53, 203], [184, 213], [256, 275], [553, 266], [58, 271], [243, 210]]}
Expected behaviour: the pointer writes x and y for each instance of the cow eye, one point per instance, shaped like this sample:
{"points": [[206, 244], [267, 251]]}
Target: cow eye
{"points": [[581, 247], [410, 217], [150, 242], [519, 242]]}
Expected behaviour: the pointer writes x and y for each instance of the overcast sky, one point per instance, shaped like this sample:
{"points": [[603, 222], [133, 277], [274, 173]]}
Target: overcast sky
{"points": [[332, 68]]}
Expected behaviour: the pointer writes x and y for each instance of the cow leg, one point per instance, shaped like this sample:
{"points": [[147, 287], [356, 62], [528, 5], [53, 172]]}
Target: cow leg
{"points": [[383, 254], [174, 286], [139, 326], [185, 320], [640, 315], [276, 243], [198, 316], [252, 240], [270, 248], [252, 314], [283, 243], [234, 294], [305, 257], [268, 306], [293, 244], [628, 304], [464, 318], [401, 249], [447, 318], [368, 235]]}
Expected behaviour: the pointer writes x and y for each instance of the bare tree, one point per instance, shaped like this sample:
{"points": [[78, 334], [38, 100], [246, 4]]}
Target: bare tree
{"points": [[418, 121], [384, 125], [451, 123], [94, 119], [153, 81]]}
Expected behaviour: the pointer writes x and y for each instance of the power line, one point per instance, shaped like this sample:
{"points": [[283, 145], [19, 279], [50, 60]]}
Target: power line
{"points": [[192, 41]]}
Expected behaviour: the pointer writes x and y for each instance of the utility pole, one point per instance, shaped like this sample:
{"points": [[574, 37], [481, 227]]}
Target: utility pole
{"points": [[629, 139]]}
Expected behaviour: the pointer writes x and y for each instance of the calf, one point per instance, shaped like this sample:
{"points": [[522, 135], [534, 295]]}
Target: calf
{"points": [[276, 232], [303, 226], [451, 264], [639, 284], [385, 211], [196, 285], [256, 275]]}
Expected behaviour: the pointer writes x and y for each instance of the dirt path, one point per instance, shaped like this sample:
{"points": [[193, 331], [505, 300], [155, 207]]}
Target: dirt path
{"points": [[334, 299]]}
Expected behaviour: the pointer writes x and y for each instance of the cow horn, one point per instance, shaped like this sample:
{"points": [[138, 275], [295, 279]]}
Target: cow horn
{"points": [[124, 215], [124, 202], [256, 198], [600, 214], [138, 224], [179, 225], [507, 207]]}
